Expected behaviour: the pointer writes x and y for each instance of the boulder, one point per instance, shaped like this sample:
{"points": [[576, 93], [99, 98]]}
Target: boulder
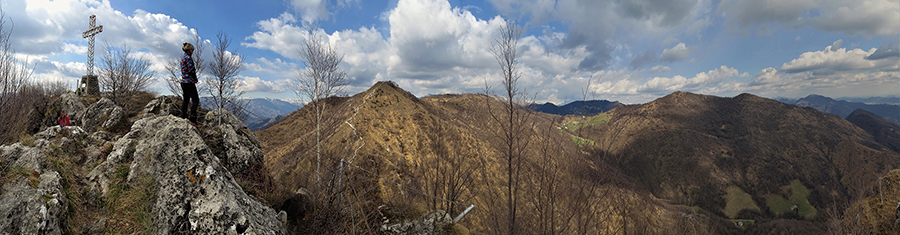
{"points": [[70, 105], [104, 113], [431, 223], [161, 106], [194, 190], [240, 147], [32, 200]]}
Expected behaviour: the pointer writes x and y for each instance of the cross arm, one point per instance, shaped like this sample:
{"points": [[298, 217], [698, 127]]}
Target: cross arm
{"points": [[91, 32]]}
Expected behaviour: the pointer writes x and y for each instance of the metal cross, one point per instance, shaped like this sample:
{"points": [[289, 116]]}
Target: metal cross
{"points": [[89, 34]]}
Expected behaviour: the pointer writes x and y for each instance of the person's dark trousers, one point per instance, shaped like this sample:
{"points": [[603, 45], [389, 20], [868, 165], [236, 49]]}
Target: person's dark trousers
{"points": [[190, 94]]}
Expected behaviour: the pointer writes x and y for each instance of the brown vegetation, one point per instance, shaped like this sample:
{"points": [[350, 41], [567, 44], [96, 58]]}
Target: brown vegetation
{"points": [[445, 146]]}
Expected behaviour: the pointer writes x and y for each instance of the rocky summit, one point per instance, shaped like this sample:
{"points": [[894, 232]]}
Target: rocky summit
{"points": [[161, 176]]}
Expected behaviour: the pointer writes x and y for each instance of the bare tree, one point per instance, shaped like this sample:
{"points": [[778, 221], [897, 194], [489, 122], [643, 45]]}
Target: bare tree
{"points": [[451, 170], [15, 77], [223, 84], [122, 74], [173, 68], [514, 123], [321, 77]]}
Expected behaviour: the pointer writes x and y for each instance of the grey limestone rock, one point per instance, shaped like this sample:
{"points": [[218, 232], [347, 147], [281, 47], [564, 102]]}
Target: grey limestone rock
{"points": [[195, 192], [161, 106], [104, 113], [240, 145], [32, 201], [71, 106]]}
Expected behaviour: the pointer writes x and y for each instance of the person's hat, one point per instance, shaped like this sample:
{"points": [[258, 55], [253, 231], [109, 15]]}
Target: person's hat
{"points": [[187, 47]]}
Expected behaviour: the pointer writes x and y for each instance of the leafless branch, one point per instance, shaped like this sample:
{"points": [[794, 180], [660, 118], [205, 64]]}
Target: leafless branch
{"points": [[223, 84], [121, 74]]}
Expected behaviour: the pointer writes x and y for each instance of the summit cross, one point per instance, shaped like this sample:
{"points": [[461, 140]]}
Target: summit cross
{"points": [[89, 34]]}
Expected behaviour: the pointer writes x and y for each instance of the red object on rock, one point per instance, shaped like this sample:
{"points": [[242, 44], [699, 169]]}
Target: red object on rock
{"points": [[63, 120]]}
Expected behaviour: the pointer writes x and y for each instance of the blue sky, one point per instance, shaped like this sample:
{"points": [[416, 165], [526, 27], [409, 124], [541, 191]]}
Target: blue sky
{"points": [[635, 50]]}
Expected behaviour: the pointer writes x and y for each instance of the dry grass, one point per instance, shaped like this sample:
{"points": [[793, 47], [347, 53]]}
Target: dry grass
{"points": [[129, 204], [738, 200], [401, 138]]}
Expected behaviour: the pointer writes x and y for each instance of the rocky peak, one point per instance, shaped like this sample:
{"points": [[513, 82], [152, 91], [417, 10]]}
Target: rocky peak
{"points": [[195, 191], [189, 176]]}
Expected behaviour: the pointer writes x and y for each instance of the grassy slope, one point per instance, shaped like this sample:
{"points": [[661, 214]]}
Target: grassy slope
{"points": [[679, 143], [738, 200], [798, 197]]}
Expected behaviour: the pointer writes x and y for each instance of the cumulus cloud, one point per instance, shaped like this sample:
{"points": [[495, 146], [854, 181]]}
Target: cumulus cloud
{"points": [[831, 61], [623, 82], [255, 84], [425, 59], [868, 17], [772, 82], [660, 69], [367, 54], [676, 53], [45, 29]]}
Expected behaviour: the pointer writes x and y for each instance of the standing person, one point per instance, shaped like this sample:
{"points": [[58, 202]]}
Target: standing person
{"points": [[188, 84]]}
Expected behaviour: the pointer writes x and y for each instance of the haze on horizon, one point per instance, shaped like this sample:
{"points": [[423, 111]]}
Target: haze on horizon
{"points": [[635, 50]]}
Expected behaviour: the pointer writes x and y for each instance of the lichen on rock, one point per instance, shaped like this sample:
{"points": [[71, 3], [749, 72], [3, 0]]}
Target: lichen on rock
{"points": [[194, 190], [32, 201]]}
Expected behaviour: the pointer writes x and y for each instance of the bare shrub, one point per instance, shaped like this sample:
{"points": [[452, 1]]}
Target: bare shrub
{"points": [[321, 78], [514, 123], [15, 77], [122, 74], [223, 84]]}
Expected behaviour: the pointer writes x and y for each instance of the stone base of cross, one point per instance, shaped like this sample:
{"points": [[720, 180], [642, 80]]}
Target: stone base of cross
{"points": [[89, 85]]}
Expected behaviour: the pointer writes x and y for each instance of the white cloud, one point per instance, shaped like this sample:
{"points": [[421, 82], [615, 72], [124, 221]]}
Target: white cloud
{"points": [[629, 86], [839, 60], [44, 29], [255, 84], [274, 67], [676, 53], [660, 69]]}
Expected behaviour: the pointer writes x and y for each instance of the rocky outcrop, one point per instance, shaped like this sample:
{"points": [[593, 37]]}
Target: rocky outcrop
{"points": [[70, 105], [104, 113], [195, 191], [161, 106], [240, 148], [31, 201]]}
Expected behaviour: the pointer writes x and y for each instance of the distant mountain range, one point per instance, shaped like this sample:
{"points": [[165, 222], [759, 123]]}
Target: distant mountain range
{"points": [[264, 111], [588, 108], [890, 110]]}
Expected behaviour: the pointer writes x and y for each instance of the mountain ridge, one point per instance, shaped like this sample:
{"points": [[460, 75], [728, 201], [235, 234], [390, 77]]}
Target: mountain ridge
{"points": [[581, 107], [682, 150], [843, 108]]}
